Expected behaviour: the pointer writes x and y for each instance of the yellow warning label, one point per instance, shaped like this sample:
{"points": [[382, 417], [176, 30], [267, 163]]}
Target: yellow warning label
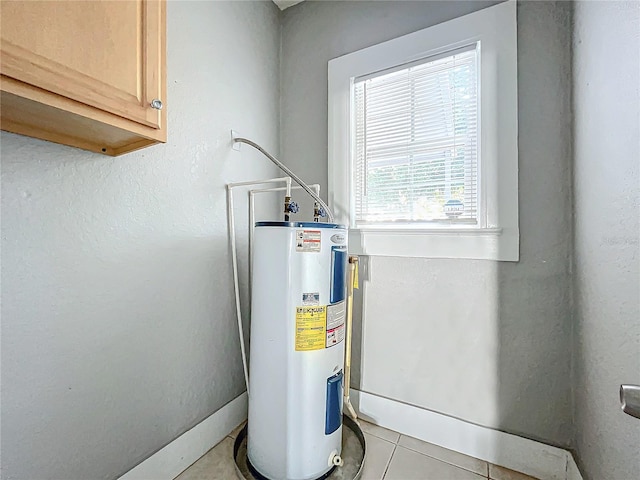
{"points": [[311, 324]]}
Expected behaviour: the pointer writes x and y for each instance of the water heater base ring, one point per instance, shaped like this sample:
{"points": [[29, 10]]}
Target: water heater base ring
{"points": [[258, 476], [353, 453]]}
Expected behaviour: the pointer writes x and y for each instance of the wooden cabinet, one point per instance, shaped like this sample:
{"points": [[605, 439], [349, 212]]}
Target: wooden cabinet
{"points": [[84, 73]]}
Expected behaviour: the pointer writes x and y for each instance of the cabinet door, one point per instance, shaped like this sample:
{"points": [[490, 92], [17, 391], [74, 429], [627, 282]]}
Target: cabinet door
{"points": [[107, 54]]}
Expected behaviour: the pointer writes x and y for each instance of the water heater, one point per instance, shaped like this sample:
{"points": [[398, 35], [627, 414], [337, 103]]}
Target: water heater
{"points": [[297, 349]]}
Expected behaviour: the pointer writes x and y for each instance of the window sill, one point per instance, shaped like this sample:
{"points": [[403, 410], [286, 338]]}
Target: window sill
{"points": [[482, 244]]}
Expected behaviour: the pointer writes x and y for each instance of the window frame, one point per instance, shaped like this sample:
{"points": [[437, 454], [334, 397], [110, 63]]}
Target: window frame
{"points": [[496, 237]]}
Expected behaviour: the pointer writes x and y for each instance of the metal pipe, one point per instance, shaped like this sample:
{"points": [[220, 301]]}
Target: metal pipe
{"points": [[286, 170]]}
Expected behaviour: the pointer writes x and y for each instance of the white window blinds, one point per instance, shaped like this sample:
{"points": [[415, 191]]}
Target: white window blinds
{"points": [[416, 142]]}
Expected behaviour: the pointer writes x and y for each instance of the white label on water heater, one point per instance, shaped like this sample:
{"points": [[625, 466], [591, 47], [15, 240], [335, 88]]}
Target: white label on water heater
{"points": [[335, 336], [311, 298], [308, 240], [335, 323]]}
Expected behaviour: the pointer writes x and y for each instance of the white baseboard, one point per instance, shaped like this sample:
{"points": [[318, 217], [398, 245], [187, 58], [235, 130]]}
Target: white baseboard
{"points": [[511, 451], [169, 462]]}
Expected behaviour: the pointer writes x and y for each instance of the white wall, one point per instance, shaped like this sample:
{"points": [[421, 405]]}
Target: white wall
{"points": [[606, 99], [483, 341], [118, 320]]}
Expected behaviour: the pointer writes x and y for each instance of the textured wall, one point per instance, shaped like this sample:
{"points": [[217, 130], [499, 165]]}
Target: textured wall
{"points": [[606, 67], [118, 320], [487, 342]]}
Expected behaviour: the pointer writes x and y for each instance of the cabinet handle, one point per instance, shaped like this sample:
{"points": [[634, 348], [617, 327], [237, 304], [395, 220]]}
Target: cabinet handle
{"points": [[157, 104]]}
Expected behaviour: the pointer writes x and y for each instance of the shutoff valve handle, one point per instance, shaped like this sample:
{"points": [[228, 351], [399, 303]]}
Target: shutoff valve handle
{"points": [[293, 207]]}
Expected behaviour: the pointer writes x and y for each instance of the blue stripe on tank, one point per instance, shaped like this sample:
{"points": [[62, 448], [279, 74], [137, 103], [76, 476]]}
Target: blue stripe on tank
{"points": [[300, 224]]}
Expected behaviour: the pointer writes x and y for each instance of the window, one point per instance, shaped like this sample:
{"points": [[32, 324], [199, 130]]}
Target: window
{"points": [[415, 138], [423, 141]]}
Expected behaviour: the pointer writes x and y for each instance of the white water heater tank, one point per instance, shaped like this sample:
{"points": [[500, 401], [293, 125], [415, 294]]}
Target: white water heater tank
{"points": [[297, 349]]}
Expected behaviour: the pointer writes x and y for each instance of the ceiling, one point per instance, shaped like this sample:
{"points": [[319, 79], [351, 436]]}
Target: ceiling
{"points": [[286, 3]]}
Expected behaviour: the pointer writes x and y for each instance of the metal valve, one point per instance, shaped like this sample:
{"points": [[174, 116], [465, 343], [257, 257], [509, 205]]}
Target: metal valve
{"points": [[289, 207], [318, 212], [293, 207], [157, 104]]}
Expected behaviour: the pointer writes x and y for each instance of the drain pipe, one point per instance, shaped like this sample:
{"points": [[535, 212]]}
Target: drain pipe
{"points": [[234, 257], [353, 265]]}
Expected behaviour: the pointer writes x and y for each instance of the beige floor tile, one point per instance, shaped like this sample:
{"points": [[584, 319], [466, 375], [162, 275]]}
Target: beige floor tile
{"points": [[236, 430], [448, 456], [383, 433], [379, 453], [216, 464], [409, 465], [501, 473]]}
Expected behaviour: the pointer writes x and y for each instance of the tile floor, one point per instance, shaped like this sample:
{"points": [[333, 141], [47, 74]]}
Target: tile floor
{"points": [[390, 456]]}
